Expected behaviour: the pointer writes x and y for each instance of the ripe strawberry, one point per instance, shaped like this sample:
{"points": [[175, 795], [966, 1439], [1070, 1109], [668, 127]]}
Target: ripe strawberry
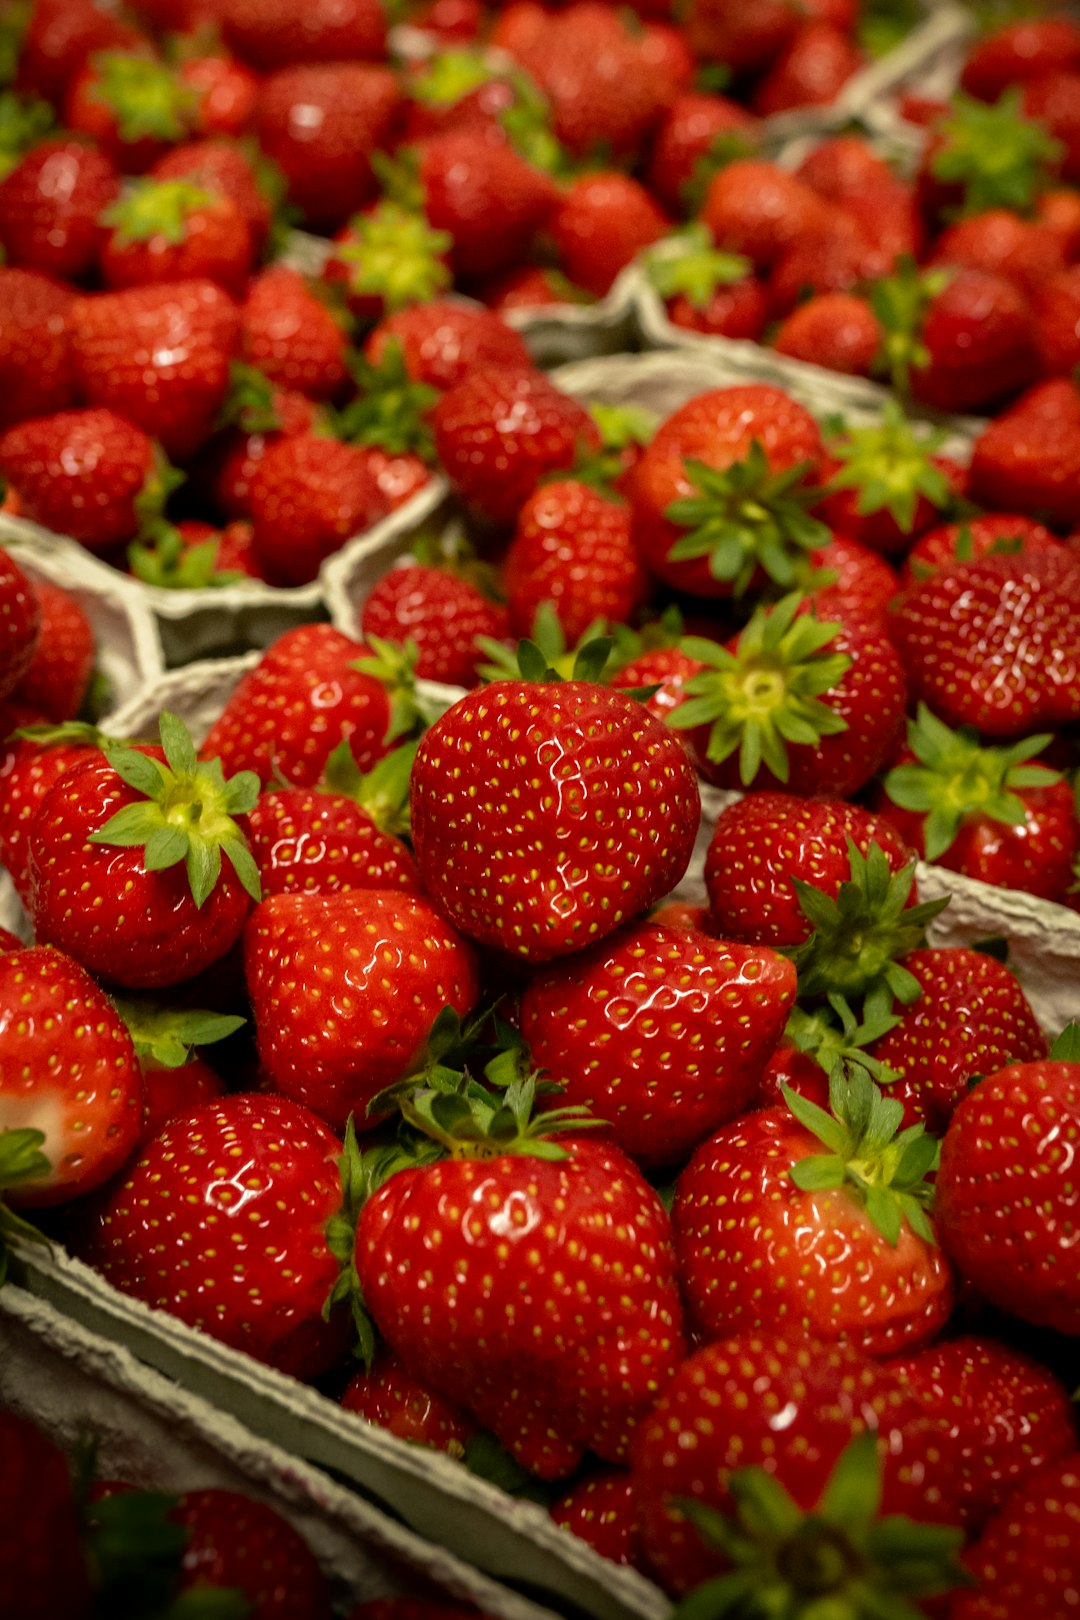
{"points": [[145, 836], [503, 1305], [853, 253], [291, 336], [764, 845], [192, 555], [233, 1542], [131, 104], [56, 680], [604, 220], [225, 92], [221, 166], [1008, 659], [86, 473], [1050, 102], [60, 35], [1028, 459], [706, 290], [388, 258], [35, 361], [1007, 1415], [20, 622], [986, 534], [1013, 1130], [198, 1262], [790, 1406], [970, 1016], [1026, 1560], [886, 482], [747, 38], [661, 1032], [51, 203], [851, 582], [754, 207], [810, 71], [442, 613], [600, 1510], [386, 1395], [1057, 317], [276, 33], [312, 687], [174, 230], [254, 416], [981, 156], [999, 240], [572, 547], [29, 766], [175, 1079], [500, 430], [491, 201], [308, 496], [1020, 50], [848, 169], [158, 355], [521, 813], [695, 132], [865, 1265], [443, 341], [43, 1568], [837, 330]]}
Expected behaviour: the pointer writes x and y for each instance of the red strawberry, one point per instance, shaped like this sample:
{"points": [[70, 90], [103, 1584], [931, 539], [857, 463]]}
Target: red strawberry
{"points": [[1028, 459], [755, 207], [388, 258], [747, 38], [1050, 101], [130, 104], [774, 1234], [1018, 51], [308, 496], [158, 355], [56, 681], [706, 290], [84, 473], [572, 547], [391, 1398], [500, 430], [222, 166], [1026, 1560], [490, 200], [173, 230], [763, 843], [28, 769], [605, 219], [1025, 251], [444, 341], [441, 613], [226, 92], [145, 837], [35, 362], [851, 582], [256, 414], [600, 1510], [1014, 1130], [244, 1546], [994, 643], [1007, 1416], [198, 1261], [696, 128], [1057, 317], [291, 335], [837, 330], [20, 622], [810, 71], [983, 535], [43, 1568], [276, 33], [51, 204], [970, 1016], [852, 253], [885, 483], [60, 34], [590, 806], [661, 1032]]}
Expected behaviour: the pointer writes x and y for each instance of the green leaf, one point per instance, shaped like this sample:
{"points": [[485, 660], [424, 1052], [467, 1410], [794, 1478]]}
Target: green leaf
{"points": [[1066, 1048]]}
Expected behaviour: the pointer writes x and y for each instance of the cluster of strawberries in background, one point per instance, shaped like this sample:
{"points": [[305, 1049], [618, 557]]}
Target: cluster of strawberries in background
{"points": [[366, 1016]]}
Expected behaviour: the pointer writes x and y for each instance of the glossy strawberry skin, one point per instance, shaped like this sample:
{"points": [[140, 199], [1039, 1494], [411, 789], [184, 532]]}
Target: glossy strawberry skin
{"points": [[974, 537], [36, 373], [291, 335], [67, 1068], [80, 473], [442, 342], [755, 207], [1026, 1560], [686, 133], [589, 804], [56, 679], [441, 613], [237, 1542], [810, 71], [20, 622], [50, 207], [513, 1316], [1028, 459], [600, 1510], [308, 496], [215, 245], [602, 223], [43, 1569], [391, 1398], [192, 1254], [221, 166], [1012, 1131], [490, 200], [345, 988], [143, 929], [979, 334], [837, 330], [661, 1032], [573, 547], [1019, 51], [28, 770], [309, 841]]}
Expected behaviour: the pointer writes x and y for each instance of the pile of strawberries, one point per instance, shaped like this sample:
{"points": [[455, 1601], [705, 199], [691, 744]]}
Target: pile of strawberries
{"points": [[738, 1228]]}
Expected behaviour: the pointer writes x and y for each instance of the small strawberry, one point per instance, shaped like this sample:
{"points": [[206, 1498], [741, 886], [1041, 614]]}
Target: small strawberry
{"points": [[225, 92], [604, 220], [172, 230], [1025, 251], [146, 837], [388, 259], [60, 35], [29, 766], [291, 336], [36, 373], [981, 156], [386, 1395], [443, 614], [175, 1078], [1028, 458], [697, 130], [837, 330], [308, 496], [254, 416], [706, 290], [1019, 50], [1050, 101], [747, 39], [443, 341], [20, 622], [851, 582], [51, 204], [753, 206], [572, 547], [810, 71], [1057, 316], [599, 1509], [58, 676], [225, 167], [91, 474]]}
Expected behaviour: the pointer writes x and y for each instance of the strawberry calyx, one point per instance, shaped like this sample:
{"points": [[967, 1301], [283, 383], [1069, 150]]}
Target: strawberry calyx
{"points": [[392, 409], [954, 778], [393, 665], [840, 1561], [392, 253], [727, 146], [884, 24], [146, 97], [383, 791], [69, 733], [250, 402], [889, 462], [624, 429], [12, 32], [165, 561], [450, 76], [1066, 1047], [165, 1035], [1000, 158], [767, 693], [546, 656], [526, 123], [149, 208], [859, 935], [836, 1038], [24, 122], [745, 518], [689, 263], [21, 1160], [901, 302], [186, 813], [136, 1551], [399, 178]]}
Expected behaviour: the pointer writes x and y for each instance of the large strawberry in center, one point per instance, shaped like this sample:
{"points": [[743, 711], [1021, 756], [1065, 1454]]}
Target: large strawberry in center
{"points": [[545, 813]]}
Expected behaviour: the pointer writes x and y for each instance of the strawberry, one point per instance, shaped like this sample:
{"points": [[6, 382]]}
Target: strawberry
{"points": [[198, 1261], [990, 813], [706, 290], [1025, 251], [174, 230], [491, 201], [1019, 50], [51, 204], [763, 846], [500, 430], [696, 130], [443, 341], [131, 104], [175, 1079], [1027, 460], [981, 156], [969, 1015], [754, 207], [158, 355], [312, 687], [60, 35], [1008, 660], [90, 474], [791, 1407], [243, 1546], [308, 496], [192, 555], [291, 336], [320, 122], [146, 835], [388, 258], [747, 39], [886, 481], [43, 1568], [664, 1066], [810, 71], [29, 766], [1050, 101], [604, 220], [851, 582], [1057, 316], [1025, 1562], [254, 416], [59, 673], [386, 1395], [222, 166], [865, 1265], [589, 803], [1010, 1132], [986, 534], [20, 619], [837, 330], [1007, 1416], [69, 1070], [599, 1509], [442, 613], [276, 33], [225, 92], [572, 547], [852, 253], [36, 375]]}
